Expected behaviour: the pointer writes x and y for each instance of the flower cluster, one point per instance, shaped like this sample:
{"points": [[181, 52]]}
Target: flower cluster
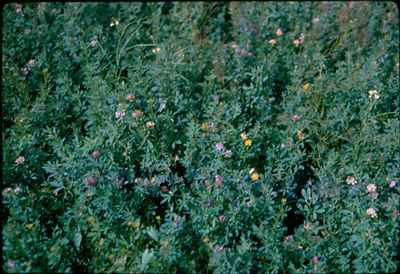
{"points": [[221, 148]]}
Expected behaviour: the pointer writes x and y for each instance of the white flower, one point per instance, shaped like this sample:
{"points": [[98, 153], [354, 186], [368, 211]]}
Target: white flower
{"points": [[7, 190], [20, 160], [272, 42], [150, 124], [17, 190], [156, 50], [25, 71], [350, 180], [18, 8], [315, 20], [114, 22], [93, 42], [279, 32], [32, 63], [373, 94]]}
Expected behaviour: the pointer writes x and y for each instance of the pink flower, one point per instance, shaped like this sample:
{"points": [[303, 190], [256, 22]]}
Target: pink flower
{"points": [[218, 180], [296, 42], [228, 153], [137, 113], [91, 181], [371, 188], [221, 218], [119, 114], [279, 32], [32, 62], [395, 213], [296, 118], [372, 212], [219, 147], [392, 184], [95, 154], [315, 259], [17, 190], [272, 42]]}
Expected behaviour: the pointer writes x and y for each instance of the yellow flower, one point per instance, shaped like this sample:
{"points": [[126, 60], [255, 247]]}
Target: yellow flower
{"points": [[248, 142], [284, 200], [306, 86], [164, 243], [29, 226], [243, 135], [206, 240], [254, 175], [91, 220], [158, 218], [300, 135], [135, 224], [204, 126]]}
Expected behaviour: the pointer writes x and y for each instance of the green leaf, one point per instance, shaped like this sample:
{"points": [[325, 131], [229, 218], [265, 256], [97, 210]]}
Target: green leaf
{"points": [[78, 239]]}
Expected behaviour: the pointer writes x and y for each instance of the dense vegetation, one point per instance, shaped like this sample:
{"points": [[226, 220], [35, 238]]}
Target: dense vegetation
{"points": [[207, 137]]}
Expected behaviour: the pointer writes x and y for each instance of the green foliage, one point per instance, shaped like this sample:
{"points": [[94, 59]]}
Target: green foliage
{"points": [[193, 137]]}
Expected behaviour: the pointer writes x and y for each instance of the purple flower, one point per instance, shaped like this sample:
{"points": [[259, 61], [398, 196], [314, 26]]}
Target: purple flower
{"points": [[315, 259], [289, 238], [11, 264], [219, 147], [215, 98], [392, 184], [228, 153], [119, 114], [93, 41], [219, 248]]}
